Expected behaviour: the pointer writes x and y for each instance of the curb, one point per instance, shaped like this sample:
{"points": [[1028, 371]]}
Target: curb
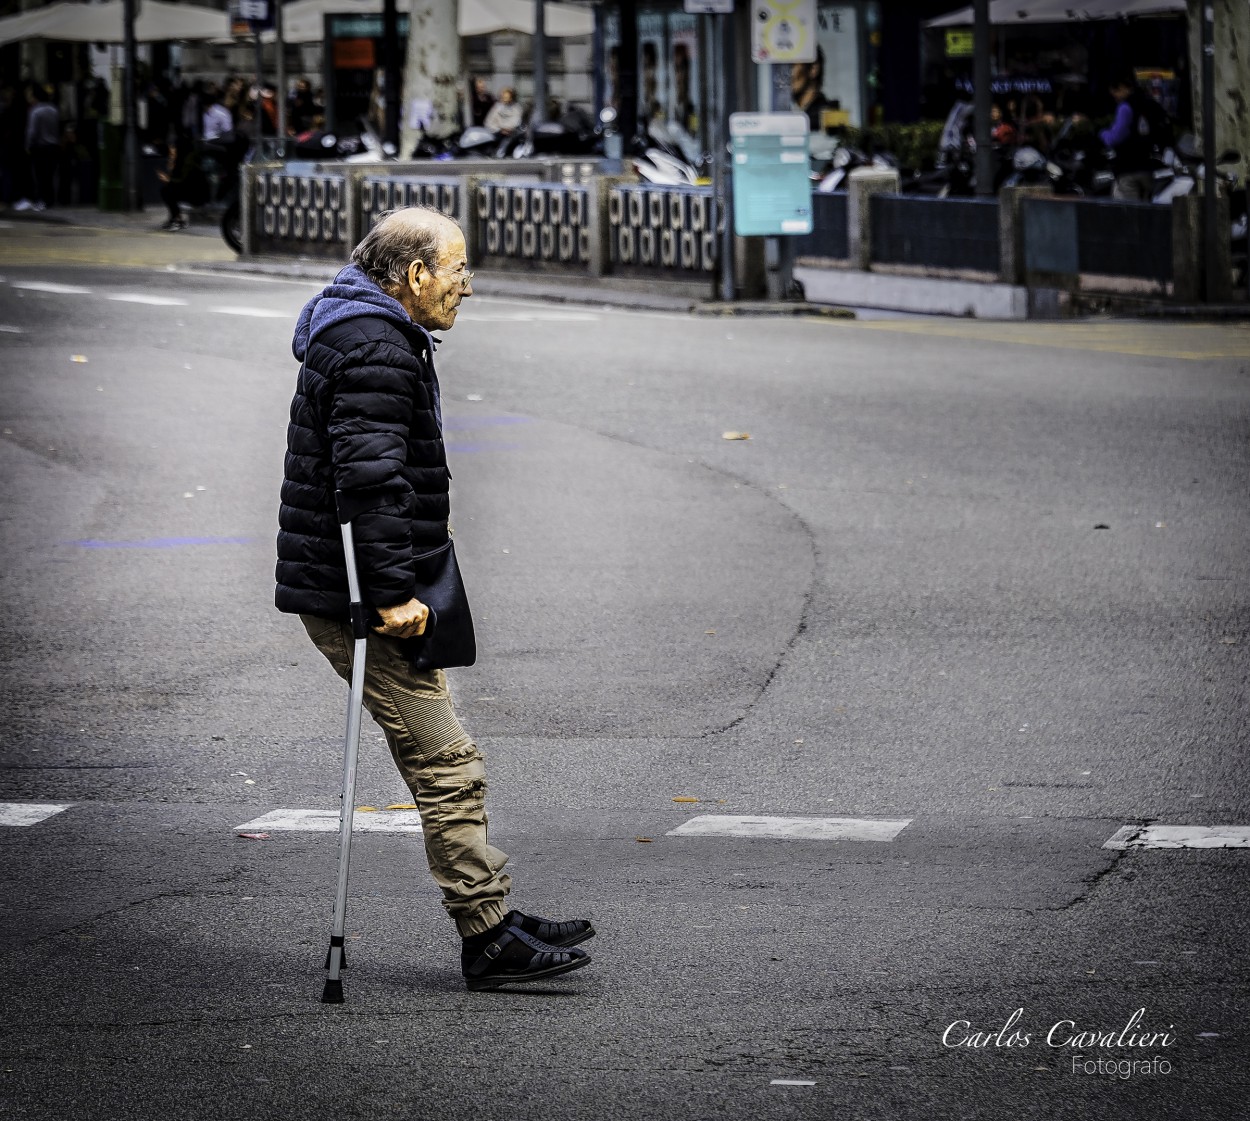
{"points": [[557, 292]]}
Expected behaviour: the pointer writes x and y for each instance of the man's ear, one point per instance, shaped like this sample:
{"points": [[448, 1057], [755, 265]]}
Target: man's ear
{"points": [[416, 272]]}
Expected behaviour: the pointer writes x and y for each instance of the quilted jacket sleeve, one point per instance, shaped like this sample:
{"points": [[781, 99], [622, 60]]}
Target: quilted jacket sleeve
{"points": [[371, 410]]}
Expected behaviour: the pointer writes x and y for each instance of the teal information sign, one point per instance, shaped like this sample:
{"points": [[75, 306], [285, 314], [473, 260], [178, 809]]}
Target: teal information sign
{"points": [[772, 187]]}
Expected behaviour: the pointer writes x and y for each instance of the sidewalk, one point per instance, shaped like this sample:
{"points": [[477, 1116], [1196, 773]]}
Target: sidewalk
{"points": [[831, 292]]}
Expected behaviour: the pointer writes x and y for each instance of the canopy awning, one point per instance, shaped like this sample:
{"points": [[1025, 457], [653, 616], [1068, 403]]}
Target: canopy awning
{"points": [[1061, 11], [304, 20], [105, 23]]}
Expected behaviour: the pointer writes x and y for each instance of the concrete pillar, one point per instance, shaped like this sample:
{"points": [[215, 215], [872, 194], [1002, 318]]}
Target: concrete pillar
{"points": [[597, 193], [353, 183], [432, 72], [470, 188], [1011, 231], [862, 184], [1232, 75], [1188, 267], [247, 207]]}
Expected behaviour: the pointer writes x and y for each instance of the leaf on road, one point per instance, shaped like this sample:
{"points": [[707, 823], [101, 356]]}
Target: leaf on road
{"points": [[684, 799], [253, 836], [1226, 641], [735, 435], [80, 358], [366, 809], [402, 806], [644, 840]]}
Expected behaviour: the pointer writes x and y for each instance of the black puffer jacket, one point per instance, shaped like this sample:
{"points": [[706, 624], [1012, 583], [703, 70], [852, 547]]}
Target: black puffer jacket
{"points": [[366, 421]]}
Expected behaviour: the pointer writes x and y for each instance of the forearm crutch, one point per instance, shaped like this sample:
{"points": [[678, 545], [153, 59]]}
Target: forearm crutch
{"points": [[336, 960]]}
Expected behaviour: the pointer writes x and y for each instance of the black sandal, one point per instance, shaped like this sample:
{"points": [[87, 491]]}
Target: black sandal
{"points": [[515, 957], [552, 931]]}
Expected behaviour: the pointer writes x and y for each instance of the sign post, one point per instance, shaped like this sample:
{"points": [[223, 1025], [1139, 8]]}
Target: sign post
{"points": [[258, 15], [722, 188], [771, 186]]}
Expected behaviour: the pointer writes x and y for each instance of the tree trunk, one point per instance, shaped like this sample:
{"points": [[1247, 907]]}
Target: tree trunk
{"points": [[1232, 73], [431, 74]]}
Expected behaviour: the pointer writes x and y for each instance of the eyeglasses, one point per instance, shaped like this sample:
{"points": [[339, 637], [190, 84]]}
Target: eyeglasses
{"points": [[466, 278]]}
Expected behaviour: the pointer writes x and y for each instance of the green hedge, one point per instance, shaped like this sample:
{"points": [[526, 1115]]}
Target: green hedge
{"points": [[914, 146]]}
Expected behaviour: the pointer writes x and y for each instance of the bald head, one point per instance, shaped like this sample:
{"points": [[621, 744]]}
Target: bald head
{"points": [[417, 255], [398, 238]]}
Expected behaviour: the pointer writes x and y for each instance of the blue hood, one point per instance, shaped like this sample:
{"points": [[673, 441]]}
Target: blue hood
{"points": [[351, 295]]}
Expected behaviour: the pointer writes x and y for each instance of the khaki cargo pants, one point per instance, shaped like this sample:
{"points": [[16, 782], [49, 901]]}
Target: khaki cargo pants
{"points": [[439, 763]]}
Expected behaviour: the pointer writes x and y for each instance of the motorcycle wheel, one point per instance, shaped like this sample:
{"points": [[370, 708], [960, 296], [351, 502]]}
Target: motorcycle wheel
{"points": [[232, 227]]}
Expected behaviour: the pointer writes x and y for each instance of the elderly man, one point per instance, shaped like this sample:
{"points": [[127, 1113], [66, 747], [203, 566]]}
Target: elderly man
{"points": [[366, 422]]}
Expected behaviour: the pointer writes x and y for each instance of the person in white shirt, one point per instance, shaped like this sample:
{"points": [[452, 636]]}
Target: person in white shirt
{"points": [[505, 115], [217, 119]]}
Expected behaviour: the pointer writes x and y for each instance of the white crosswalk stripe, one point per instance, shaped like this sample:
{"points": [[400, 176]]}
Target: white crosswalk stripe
{"points": [[144, 298], [49, 286], [791, 828], [30, 813], [254, 312], [327, 821], [1180, 837]]}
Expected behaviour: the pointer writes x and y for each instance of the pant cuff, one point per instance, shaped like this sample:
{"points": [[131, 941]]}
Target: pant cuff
{"points": [[489, 917]]}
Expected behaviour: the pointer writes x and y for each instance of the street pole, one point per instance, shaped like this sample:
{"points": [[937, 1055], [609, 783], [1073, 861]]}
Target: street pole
{"points": [[259, 110], [982, 96], [280, 46], [627, 76], [725, 86], [1210, 216], [539, 48], [130, 144], [390, 72]]}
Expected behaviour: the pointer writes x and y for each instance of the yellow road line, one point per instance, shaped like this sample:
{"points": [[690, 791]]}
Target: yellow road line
{"points": [[76, 245], [1190, 341]]}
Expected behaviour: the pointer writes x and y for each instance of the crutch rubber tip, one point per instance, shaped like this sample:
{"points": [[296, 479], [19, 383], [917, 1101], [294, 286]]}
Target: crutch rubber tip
{"points": [[332, 993]]}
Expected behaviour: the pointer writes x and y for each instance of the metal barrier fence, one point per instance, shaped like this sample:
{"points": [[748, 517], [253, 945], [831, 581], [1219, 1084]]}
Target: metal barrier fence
{"points": [[654, 230], [301, 213], [380, 193], [549, 225], [829, 239], [1121, 239], [941, 233]]}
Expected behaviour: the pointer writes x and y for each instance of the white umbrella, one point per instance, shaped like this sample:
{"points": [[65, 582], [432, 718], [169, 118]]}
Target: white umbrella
{"points": [[105, 23], [304, 20], [485, 17], [1061, 11]]}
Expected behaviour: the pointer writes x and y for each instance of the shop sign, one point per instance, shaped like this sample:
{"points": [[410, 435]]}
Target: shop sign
{"points": [[771, 186], [783, 31], [959, 42], [709, 7]]}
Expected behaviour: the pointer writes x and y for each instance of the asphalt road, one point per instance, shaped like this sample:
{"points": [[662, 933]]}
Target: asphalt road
{"points": [[987, 580]]}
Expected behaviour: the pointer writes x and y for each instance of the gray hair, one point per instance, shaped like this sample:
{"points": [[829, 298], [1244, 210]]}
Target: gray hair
{"points": [[386, 251]]}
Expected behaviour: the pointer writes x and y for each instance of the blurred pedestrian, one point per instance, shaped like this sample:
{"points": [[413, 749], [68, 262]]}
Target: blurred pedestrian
{"points": [[1139, 133], [233, 98], [505, 115], [481, 102], [216, 120], [300, 107], [366, 439], [43, 142], [182, 181]]}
